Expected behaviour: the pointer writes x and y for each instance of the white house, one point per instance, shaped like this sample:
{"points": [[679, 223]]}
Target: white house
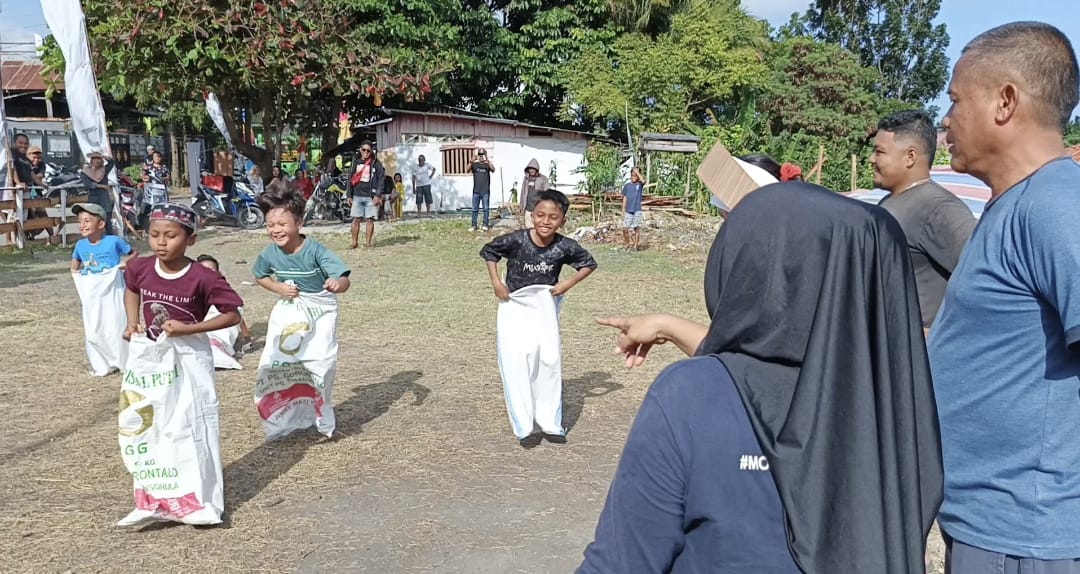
{"points": [[449, 142]]}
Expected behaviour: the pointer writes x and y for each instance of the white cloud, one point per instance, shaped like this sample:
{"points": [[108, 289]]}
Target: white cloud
{"points": [[777, 12]]}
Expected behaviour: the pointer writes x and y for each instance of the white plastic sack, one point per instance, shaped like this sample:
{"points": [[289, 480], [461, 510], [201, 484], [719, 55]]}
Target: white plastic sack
{"points": [[169, 431], [294, 386], [530, 360], [104, 319], [223, 343]]}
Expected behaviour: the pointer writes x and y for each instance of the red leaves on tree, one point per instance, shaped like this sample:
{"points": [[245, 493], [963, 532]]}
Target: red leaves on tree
{"points": [[260, 8]]}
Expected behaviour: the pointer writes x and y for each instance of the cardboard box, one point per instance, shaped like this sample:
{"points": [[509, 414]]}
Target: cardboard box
{"points": [[729, 179]]}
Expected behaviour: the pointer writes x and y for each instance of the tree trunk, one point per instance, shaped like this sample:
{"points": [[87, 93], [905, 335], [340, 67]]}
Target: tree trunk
{"points": [[258, 155], [330, 131]]}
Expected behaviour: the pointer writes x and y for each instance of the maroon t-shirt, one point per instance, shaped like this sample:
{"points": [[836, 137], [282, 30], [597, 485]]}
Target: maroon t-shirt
{"points": [[185, 296]]}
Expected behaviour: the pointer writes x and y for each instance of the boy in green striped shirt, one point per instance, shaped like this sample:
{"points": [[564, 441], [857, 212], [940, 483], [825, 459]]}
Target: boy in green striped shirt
{"points": [[293, 263]]}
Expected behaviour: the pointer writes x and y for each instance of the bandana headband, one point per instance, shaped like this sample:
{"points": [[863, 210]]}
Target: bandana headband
{"points": [[174, 212]]}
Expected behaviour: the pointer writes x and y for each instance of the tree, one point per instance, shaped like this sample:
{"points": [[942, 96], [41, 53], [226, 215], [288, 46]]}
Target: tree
{"points": [[279, 59], [706, 67], [1072, 132], [897, 37], [819, 94]]}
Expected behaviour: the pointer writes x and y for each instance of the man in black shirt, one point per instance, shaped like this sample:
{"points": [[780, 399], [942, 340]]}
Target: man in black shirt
{"points": [[24, 171], [481, 169], [937, 224]]}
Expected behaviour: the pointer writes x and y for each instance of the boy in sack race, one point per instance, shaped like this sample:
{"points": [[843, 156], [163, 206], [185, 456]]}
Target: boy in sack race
{"points": [[527, 331], [168, 404], [97, 263], [294, 385]]}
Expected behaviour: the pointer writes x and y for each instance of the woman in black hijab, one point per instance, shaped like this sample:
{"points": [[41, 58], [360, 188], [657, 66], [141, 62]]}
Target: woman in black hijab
{"points": [[803, 435]]}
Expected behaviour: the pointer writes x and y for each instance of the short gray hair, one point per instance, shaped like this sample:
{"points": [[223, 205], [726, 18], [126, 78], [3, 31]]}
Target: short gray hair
{"points": [[1039, 57]]}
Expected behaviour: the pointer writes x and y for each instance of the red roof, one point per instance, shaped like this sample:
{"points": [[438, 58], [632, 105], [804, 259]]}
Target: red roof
{"points": [[25, 76]]}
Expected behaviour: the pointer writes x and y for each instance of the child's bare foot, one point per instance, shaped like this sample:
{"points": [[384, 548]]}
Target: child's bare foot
{"points": [[354, 246]]}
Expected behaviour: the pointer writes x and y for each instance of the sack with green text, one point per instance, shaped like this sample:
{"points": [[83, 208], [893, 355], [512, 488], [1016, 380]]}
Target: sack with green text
{"points": [[169, 431], [295, 382]]}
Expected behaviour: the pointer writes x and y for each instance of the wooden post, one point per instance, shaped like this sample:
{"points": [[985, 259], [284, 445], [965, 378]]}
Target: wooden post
{"points": [[648, 167], [820, 163], [20, 219], [854, 171], [686, 195], [63, 217]]}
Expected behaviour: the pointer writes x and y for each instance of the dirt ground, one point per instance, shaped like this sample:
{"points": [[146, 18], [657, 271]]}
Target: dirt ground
{"points": [[427, 477]]}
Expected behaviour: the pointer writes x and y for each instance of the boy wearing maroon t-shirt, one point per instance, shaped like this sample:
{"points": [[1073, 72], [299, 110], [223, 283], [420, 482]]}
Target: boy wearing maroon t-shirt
{"points": [[172, 292]]}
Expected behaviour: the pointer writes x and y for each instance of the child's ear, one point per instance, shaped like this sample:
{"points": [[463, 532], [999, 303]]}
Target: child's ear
{"points": [[191, 239]]}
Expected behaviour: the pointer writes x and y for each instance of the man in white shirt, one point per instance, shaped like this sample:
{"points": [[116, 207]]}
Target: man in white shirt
{"points": [[421, 181]]}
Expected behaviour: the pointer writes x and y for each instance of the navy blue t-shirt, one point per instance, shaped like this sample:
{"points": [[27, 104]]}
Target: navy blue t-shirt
{"points": [[692, 492], [633, 191]]}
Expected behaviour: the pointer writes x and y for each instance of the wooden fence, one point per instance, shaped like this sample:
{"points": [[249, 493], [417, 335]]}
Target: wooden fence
{"points": [[14, 224]]}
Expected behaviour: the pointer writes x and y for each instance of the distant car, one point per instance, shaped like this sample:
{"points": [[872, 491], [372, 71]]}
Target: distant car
{"points": [[971, 191]]}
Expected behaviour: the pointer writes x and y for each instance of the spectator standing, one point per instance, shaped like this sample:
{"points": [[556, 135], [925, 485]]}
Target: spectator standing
{"points": [[421, 182], [937, 224], [481, 170], [533, 183], [365, 186], [1005, 346]]}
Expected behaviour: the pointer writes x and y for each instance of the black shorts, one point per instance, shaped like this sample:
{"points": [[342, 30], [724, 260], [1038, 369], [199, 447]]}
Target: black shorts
{"points": [[423, 195]]}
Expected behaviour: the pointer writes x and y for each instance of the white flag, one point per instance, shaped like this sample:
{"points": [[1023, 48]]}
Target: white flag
{"points": [[217, 115], [68, 25], [5, 155]]}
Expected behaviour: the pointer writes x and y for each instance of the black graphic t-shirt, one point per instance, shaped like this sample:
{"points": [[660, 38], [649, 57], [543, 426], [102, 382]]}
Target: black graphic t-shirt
{"points": [[481, 177], [529, 264]]}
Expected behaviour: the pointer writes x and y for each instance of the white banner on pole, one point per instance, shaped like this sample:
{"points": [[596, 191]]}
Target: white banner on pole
{"points": [[68, 25], [217, 115], [5, 154]]}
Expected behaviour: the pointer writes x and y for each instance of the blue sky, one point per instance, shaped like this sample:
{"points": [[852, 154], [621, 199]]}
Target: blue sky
{"points": [[965, 19]]}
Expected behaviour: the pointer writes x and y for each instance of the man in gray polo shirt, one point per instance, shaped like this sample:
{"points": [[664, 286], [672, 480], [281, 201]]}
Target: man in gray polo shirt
{"points": [[937, 224]]}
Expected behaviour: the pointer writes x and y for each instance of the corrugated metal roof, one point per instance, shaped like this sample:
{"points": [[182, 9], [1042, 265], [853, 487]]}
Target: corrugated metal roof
{"points": [[483, 118], [25, 76]]}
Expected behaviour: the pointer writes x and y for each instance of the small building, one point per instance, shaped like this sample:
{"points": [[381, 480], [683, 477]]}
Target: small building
{"points": [[448, 140], [46, 123]]}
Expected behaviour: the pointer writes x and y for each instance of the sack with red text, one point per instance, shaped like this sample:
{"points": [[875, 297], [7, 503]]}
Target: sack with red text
{"points": [[169, 431], [295, 382]]}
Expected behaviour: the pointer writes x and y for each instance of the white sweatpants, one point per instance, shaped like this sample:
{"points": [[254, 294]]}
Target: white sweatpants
{"points": [[530, 360]]}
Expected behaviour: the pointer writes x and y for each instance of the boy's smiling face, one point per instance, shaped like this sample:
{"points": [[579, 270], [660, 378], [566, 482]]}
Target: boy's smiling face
{"points": [[284, 228], [91, 225], [548, 219]]}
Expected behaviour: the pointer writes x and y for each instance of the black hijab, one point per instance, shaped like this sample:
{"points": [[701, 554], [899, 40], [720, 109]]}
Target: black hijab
{"points": [[815, 314]]}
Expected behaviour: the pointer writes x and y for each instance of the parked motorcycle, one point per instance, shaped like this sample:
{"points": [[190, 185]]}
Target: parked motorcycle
{"points": [[327, 202], [241, 209]]}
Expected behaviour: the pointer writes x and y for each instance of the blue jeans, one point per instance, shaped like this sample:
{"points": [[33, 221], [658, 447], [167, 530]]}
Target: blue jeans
{"points": [[477, 199]]}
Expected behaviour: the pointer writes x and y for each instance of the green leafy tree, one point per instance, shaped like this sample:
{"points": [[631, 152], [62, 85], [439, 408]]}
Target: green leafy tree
{"points": [[897, 37], [819, 94], [707, 67], [1072, 132], [278, 60]]}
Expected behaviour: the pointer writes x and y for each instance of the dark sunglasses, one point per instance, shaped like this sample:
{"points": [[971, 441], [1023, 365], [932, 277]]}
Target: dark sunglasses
{"points": [[365, 151]]}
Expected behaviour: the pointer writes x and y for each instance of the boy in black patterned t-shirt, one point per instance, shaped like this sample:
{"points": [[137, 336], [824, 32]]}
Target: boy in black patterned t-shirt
{"points": [[536, 256], [527, 331]]}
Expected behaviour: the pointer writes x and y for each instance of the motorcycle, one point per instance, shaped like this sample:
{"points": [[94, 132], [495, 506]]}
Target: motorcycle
{"points": [[327, 202], [242, 209], [155, 191]]}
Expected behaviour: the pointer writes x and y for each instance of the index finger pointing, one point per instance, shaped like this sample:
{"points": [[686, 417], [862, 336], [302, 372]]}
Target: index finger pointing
{"points": [[619, 323]]}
